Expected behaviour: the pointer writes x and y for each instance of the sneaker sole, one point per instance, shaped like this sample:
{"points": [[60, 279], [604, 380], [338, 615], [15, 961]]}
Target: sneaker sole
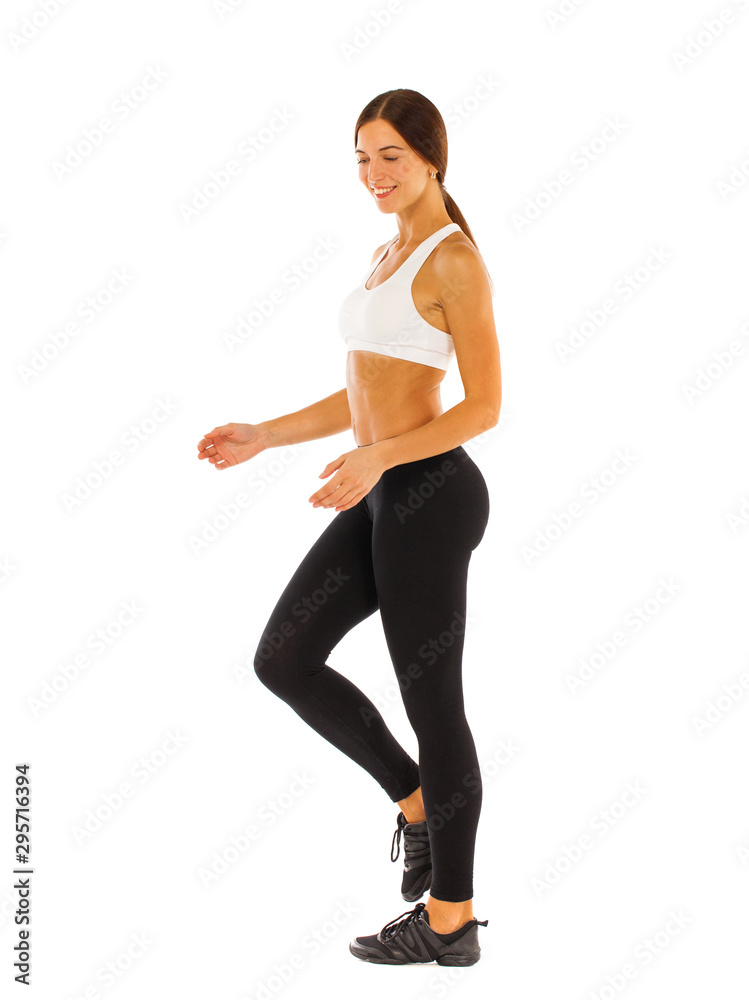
{"points": [[460, 961], [419, 888]]}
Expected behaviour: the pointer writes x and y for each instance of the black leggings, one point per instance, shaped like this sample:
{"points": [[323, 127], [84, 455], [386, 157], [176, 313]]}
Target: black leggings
{"points": [[403, 548]]}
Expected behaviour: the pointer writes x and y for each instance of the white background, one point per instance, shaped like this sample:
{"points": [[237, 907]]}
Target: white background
{"points": [[523, 93]]}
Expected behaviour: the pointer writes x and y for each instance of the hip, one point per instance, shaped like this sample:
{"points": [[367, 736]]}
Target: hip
{"points": [[444, 496]]}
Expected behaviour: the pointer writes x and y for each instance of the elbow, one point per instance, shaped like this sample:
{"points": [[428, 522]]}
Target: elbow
{"points": [[490, 415], [484, 411]]}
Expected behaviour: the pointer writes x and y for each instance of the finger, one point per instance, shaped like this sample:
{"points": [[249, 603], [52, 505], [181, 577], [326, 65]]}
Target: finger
{"points": [[352, 502], [325, 491], [207, 442], [331, 467], [320, 494], [343, 495], [352, 496]]}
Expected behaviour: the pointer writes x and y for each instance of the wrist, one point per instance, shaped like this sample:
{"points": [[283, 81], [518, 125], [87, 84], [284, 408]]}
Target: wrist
{"points": [[383, 452], [266, 435]]}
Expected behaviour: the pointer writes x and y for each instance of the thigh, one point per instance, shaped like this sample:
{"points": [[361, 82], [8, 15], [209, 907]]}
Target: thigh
{"points": [[428, 517], [331, 590]]}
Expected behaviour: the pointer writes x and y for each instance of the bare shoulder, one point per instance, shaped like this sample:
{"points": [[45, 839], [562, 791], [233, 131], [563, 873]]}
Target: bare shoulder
{"points": [[456, 257]]}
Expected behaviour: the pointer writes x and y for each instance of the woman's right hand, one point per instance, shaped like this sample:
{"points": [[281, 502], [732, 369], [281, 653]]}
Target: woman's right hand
{"points": [[231, 444]]}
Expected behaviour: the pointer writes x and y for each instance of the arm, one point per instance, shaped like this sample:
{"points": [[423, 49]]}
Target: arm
{"points": [[330, 415], [466, 301]]}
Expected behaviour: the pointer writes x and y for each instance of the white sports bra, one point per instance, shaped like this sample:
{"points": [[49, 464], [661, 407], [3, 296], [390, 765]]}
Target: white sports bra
{"points": [[384, 319]]}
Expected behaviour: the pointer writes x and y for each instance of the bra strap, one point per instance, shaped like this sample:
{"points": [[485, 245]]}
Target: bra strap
{"points": [[379, 259], [411, 265]]}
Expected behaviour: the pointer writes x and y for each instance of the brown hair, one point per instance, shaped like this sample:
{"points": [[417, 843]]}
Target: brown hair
{"points": [[422, 126]]}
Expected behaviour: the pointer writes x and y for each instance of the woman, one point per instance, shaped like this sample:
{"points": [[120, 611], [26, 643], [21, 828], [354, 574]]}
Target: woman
{"points": [[410, 506]]}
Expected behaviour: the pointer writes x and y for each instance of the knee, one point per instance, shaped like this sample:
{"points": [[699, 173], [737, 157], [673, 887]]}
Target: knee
{"points": [[282, 665], [275, 664]]}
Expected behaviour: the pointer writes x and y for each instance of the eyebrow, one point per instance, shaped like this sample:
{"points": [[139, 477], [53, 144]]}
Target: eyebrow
{"points": [[380, 149]]}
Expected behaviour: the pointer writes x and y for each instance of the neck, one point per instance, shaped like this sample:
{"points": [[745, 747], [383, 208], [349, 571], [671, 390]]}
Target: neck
{"points": [[420, 220]]}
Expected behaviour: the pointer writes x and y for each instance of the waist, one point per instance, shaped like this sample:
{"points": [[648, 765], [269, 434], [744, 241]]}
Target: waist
{"points": [[457, 454]]}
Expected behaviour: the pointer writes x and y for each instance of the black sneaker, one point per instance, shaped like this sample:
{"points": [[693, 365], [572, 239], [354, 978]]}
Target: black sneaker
{"points": [[409, 940], [417, 865]]}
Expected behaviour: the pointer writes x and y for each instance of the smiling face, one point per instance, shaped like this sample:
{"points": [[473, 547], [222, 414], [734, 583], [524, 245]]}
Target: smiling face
{"points": [[386, 161]]}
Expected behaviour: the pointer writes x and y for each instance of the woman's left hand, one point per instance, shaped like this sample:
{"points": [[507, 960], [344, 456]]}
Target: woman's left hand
{"points": [[358, 471]]}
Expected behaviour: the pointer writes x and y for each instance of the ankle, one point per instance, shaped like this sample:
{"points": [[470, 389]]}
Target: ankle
{"points": [[412, 807], [444, 918], [445, 925]]}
